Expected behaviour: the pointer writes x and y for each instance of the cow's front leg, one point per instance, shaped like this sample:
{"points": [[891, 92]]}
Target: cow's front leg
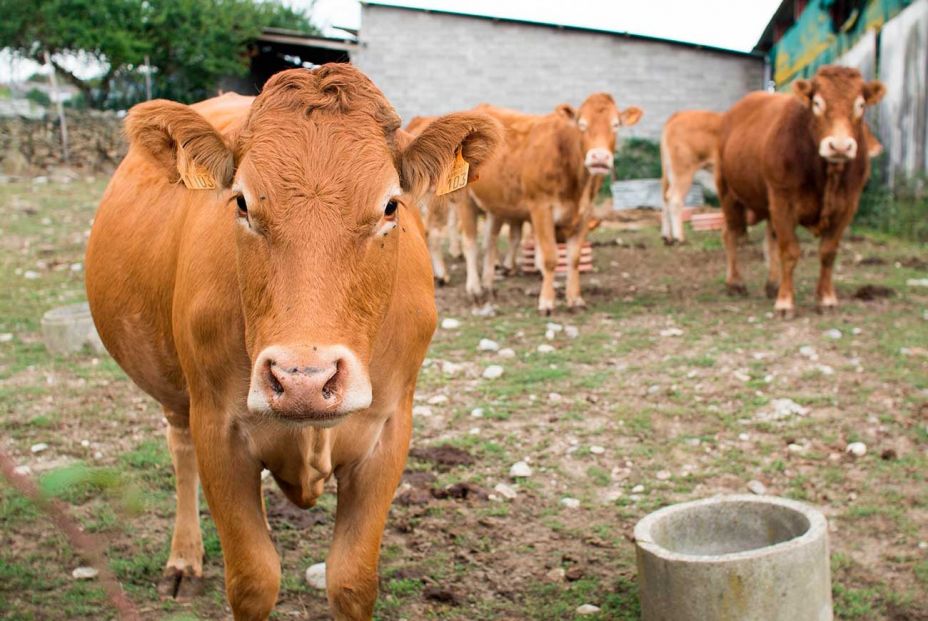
{"points": [[365, 492], [545, 254], [183, 572], [490, 250], [827, 252], [784, 227], [514, 252], [231, 479], [574, 249], [467, 215]]}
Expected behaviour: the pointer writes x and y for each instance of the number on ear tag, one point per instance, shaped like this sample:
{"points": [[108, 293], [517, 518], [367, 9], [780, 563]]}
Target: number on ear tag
{"points": [[456, 177], [194, 176]]}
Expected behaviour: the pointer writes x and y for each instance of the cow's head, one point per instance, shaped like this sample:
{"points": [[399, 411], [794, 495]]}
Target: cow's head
{"points": [[599, 120], [837, 98], [318, 186]]}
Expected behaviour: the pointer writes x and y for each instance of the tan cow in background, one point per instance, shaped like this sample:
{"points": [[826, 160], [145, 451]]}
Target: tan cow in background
{"points": [[279, 311], [548, 171], [689, 143]]}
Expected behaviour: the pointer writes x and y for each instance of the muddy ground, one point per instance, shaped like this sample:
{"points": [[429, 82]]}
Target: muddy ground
{"points": [[665, 394]]}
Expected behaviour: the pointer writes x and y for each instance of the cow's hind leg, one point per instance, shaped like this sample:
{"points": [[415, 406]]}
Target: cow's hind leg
{"points": [[183, 572], [514, 252], [467, 215], [733, 229], [772, 258]]}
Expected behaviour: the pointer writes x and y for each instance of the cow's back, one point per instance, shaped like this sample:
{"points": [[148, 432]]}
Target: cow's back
{"points": [[133, 258], [696, 131]]}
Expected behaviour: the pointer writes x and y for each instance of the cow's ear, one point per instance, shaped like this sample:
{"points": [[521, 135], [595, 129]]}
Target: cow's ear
{"points": [[873, 92], [181, 141], [567, 111], [802, 89], [630, 116], [423, 162]]}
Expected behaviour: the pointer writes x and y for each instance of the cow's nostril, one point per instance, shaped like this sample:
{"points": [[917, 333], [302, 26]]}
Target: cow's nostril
{"points": [[272, 380], [330, 388]]}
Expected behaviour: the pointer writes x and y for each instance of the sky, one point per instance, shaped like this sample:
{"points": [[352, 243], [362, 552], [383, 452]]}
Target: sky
{"points": [[730, 24]]}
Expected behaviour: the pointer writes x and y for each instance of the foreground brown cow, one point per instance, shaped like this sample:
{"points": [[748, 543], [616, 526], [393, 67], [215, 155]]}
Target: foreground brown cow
{"points": [[796, 159], [281, 318], [689, 143], [548, 170]]}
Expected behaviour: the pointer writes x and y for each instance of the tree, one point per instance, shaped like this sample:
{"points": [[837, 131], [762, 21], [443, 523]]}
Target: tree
{"points": [[190, 43]]}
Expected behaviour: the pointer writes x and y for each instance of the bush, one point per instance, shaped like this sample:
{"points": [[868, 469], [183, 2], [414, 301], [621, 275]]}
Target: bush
{"points": [[901, 211], [39, 97], [638, 158]]}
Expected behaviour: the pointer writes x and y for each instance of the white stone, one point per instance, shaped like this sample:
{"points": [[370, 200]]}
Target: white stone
{"points": [[741, 376], [438, 400], [783, 408], [809, 352], [554, 397], [794, 448], [487, 310], [451, 368], [832, 333], [663, 475], [587, 609], [824, 369], [30, 275], [638, 489], [571, 332], [856, 331], [39, 447], [668, 332], [474, 431], [597, 450], [22, 471], [756, 487], [556, 575], [570, 503], [917, 282], [544, 348], [554, 327], [550, 334], [744, 437], [487, 345], [77, 267], [505, 491], [493, 371], [422, 410], [506, 353], [84, 573], [520, 470], [450, 323], [857, 449], [477, 412], [315, 576], [6, 337]]}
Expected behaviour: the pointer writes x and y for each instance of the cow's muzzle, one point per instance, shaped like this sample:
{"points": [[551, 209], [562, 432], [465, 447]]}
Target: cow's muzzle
{"points": [[317, 385], [599, 161], [838, 148]]}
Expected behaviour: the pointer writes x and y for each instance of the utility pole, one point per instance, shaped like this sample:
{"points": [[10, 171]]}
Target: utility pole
{"points": [[53, 80], [147, 79]]}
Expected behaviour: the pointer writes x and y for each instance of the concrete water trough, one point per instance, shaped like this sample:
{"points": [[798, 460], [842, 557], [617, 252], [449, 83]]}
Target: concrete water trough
{"points": [[67, 329], [734, 558]]}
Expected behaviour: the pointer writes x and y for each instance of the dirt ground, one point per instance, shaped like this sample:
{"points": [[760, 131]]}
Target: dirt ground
{"points": [[664, 390]]}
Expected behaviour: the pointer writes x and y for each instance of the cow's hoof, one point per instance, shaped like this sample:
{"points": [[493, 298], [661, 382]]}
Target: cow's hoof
{"points": [[545, 307], [441, 282], [772, 289], [668, 241], [180, 585], [737, 289], [576, 304], [784, 309], [826, 309]]}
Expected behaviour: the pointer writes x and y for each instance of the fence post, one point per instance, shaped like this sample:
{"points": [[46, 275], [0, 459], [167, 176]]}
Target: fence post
{"points": [[53, 80]]}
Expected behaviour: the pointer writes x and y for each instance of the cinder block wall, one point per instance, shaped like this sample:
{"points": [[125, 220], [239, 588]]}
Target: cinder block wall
{"points": [[433, 63]]}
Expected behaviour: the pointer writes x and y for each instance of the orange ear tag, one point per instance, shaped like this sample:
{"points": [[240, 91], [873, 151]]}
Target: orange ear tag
{"points": [[194, 176], [456, 177]]}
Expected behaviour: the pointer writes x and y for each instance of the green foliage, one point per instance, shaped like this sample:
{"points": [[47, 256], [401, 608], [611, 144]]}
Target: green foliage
{"points": [[901, 211], [638, 158], [190, 43], [39, 97]]}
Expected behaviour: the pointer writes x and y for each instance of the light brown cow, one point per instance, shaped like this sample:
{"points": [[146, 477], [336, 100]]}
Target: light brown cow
{"points": [[280, 319], [795, 160], [548, 171], [689, 143]]}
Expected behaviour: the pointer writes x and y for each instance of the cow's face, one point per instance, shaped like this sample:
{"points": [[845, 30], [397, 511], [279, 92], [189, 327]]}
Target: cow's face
{"points": [[599, 120], [837, 98], [318, 190]]}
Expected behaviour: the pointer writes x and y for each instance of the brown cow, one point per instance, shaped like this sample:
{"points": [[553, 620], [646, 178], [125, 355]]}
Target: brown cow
{"points": [[548, 171], [280, 319], [795, 160], [689, 143]]}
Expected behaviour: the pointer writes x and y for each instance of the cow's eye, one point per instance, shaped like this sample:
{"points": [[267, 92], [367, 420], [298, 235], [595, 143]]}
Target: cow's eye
{"points": [[583, 124], [818, 105], [615, 125], [390, 210], [242, 206]]}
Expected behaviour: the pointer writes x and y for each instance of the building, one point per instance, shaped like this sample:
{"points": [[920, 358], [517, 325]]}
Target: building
{"points": [[885, 39], [434, 62]]}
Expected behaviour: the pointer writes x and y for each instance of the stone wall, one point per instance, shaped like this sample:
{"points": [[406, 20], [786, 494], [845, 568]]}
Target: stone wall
{"points": [[30, 146], [434, 63]]}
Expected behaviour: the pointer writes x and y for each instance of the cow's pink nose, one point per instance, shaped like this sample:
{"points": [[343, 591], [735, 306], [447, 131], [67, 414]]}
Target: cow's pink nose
{"points": [[317, 385]]}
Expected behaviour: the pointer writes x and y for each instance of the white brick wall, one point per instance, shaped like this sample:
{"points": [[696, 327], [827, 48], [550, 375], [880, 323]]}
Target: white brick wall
{"points": [[433, 63]]}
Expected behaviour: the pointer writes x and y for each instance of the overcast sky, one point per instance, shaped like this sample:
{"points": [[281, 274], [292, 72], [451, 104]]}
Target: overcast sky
{"points": [[731, 24]]}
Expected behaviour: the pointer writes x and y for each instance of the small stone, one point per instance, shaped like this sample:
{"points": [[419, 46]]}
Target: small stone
{"points": [[824, 369], [856, 331], [505, 491], [77, 267], [923, 545], [451, 368], [6, 337], [39, 447], [520, 470], [570, 503], [450, 323], [809, 352], [856, 449], [756, 487], [571, 332], [671, 332], [744, 437], [794, 448], [85, 443], [506, 353], [493, 371], [315, 576], [554, 327], [487, 310], [474, 431], [832, 333], [544, 348], [22, 471], [556, 574], [477, 413], [597, 450], [917, 282], [438, 400], [85, 573], [741, 376], [487, 345], [663, 475], [550, 334], [30, 275], [574, 573], [422, 410], [653, 389], [587, 609], [554, 397], [638, 489]]}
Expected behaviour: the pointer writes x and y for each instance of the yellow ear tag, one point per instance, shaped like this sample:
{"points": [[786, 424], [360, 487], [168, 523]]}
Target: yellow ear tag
{"points": [[194, 176], [456, 177]]}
